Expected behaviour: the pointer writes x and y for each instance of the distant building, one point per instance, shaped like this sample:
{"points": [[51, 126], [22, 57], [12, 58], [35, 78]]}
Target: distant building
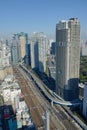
{"points": [[52, 67], [42, 51], [34, 52], [85, 102], [84, 48], [7, 43], [51, 41], [53, 48], [15, 49], [52, 61], [67, 58], [38, 46], [23, 40], [18, 48], [28, 54]]}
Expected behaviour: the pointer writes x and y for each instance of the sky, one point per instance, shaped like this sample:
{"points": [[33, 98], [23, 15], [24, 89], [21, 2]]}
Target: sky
{"points": [[40, 15]]}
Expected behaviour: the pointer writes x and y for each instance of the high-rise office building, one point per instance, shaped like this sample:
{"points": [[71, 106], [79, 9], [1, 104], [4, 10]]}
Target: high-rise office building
{"points": [[38, 46], [28, 55], [34, 51], [53, 47], [23, 40], [15, 50], [42, 51], [67, 58], [18, 48], [51, 61]]}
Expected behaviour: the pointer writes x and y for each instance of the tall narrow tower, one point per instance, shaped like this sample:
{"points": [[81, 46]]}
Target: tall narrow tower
{"points": [[67, 58]]}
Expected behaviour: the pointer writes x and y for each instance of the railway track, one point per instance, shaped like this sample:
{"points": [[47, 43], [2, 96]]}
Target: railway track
{"points": [[37, 104], [29, 97], [66, 119], [37, 108]]}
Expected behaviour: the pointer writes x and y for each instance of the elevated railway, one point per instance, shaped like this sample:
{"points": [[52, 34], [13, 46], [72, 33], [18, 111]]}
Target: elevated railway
{"points": [[36, 82], [53, 97], [37, 109]]}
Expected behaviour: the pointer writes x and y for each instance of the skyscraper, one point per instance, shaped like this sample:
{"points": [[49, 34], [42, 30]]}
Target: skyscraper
{"points": [[28, 56], [23, 40], [15, 49], [38, 46], [67, 58], [18, 47], [42, 51], [34, 51]]}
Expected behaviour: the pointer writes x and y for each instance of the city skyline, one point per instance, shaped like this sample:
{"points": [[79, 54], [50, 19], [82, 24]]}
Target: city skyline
{"points": [[39, 16]]}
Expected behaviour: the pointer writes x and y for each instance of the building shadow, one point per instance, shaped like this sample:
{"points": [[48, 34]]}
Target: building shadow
{"points": [[72, 92]]}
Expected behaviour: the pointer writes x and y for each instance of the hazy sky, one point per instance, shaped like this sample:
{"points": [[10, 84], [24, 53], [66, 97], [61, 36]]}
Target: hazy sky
{"points": [[40, 15]]}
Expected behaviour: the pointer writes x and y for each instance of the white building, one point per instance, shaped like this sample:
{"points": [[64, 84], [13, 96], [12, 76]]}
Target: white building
{"points": [[85, 102], [34, 51], [67, 58], [42, 51], [39, 49]]}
